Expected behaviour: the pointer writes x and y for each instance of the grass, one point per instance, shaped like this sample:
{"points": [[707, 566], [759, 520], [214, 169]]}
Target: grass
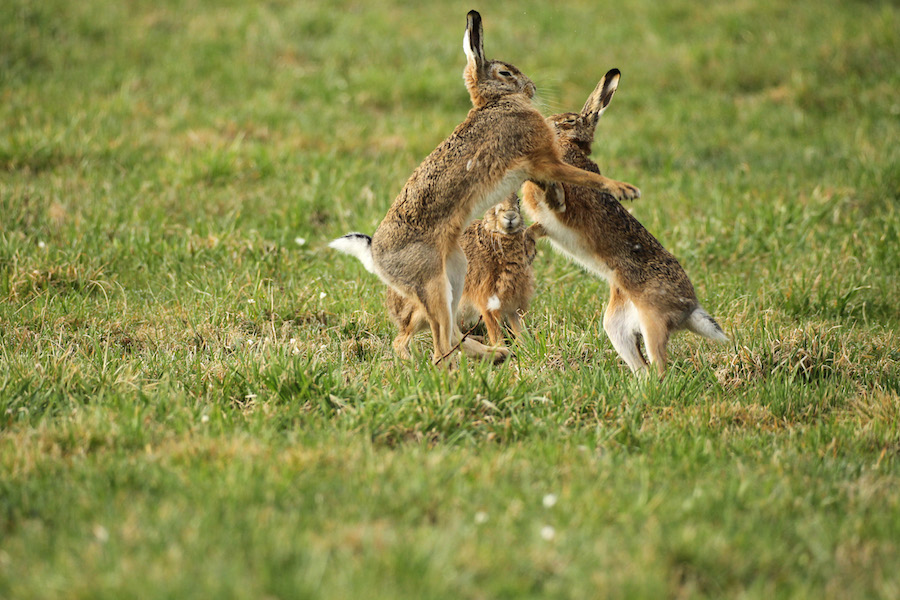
{"points": [[198, 398]]}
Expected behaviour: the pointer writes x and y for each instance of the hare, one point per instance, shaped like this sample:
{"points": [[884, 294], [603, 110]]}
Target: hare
{"points": [[503, 141], [650, 294], [499, 281]]}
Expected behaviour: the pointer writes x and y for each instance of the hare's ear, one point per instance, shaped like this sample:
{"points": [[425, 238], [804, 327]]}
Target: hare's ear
{"points": [[601, 96], [473, 42]]}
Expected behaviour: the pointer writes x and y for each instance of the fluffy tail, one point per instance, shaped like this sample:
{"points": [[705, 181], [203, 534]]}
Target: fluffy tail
{"points": [[701, 323], [358, 245]]}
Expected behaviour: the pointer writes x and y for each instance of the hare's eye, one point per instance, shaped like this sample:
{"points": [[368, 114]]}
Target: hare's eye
{"points": [[505, 73]]}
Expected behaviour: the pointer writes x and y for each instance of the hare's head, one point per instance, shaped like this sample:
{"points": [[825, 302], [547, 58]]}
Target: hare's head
{"points": [[579, 127], [506, 217], [489, 80]]}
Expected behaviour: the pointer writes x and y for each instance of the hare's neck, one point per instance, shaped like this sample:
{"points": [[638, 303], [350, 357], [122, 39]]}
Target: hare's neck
{"points": [[585, 147], [577, 156], [508, 101]]}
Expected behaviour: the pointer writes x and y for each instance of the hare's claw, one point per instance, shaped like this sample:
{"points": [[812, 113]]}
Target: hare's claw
{"points": [[624, 191]]}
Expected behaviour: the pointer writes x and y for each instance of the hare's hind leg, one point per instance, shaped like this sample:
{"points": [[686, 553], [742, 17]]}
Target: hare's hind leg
{"points": [[436, 300], [495, 352], [455, 266], [456, 275], [622, 325], [516, 327], [416, 322], [409, 316], [492, 324], [656, 337]]}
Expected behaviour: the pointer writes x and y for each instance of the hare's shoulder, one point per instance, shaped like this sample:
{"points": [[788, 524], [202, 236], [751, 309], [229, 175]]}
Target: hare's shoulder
{"points": [[501, 118]]}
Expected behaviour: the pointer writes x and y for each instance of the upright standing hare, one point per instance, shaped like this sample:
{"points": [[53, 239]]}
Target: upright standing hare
{"points": [[499, 279], [650, 294], [503, 141]]}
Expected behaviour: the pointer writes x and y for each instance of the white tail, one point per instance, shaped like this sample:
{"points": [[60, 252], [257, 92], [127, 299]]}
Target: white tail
{"points": [[358, 245], [701, 323]]}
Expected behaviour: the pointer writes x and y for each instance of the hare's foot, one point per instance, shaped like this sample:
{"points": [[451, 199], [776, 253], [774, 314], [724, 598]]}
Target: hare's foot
{"points": [[494, 354]]}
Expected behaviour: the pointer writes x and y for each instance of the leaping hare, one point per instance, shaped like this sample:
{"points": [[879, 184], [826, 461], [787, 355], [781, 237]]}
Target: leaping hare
{"points": [[650, 294], [503, 141]]}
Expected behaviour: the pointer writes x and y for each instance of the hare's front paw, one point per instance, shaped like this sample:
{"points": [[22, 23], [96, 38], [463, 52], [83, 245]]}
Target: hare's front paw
{"points": [[554, 195], [536, 230], [623, 191]]}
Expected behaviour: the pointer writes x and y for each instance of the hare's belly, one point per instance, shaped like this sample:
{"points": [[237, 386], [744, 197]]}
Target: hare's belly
{"points": [[572, 243]]}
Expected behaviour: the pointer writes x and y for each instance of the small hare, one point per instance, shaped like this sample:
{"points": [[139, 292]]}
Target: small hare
{"points": [[650, 294], [499, 280], [503, 141]]}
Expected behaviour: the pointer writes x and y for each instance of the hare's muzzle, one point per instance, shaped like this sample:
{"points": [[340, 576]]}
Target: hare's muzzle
{"points": [[510, 221]]}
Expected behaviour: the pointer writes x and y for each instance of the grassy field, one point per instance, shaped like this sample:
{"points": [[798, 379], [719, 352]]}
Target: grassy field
{"points": [[198, 398]]}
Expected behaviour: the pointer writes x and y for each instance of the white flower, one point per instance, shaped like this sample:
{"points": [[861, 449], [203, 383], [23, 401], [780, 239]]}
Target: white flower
{"points": [[549, 500], [481, 517], [300, 241], [101, 534], [41, 244], [251, 301], [204, 419], [548, 533], [322, 295]]}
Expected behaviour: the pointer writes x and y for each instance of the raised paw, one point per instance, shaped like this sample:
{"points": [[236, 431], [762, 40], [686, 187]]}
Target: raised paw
{"points": [[623, 191], [554, 195], [537, 231]]}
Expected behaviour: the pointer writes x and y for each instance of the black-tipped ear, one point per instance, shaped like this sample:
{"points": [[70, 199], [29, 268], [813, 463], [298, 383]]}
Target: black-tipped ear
{"points": [[473, 44], [601, 96]]}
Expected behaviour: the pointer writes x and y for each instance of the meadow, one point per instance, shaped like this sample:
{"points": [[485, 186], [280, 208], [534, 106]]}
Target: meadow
{"points": [[199, 399]]}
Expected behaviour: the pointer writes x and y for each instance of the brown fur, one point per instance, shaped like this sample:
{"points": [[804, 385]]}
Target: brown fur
{"points": [[503, 141], [650, 294], [500, 251]]}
